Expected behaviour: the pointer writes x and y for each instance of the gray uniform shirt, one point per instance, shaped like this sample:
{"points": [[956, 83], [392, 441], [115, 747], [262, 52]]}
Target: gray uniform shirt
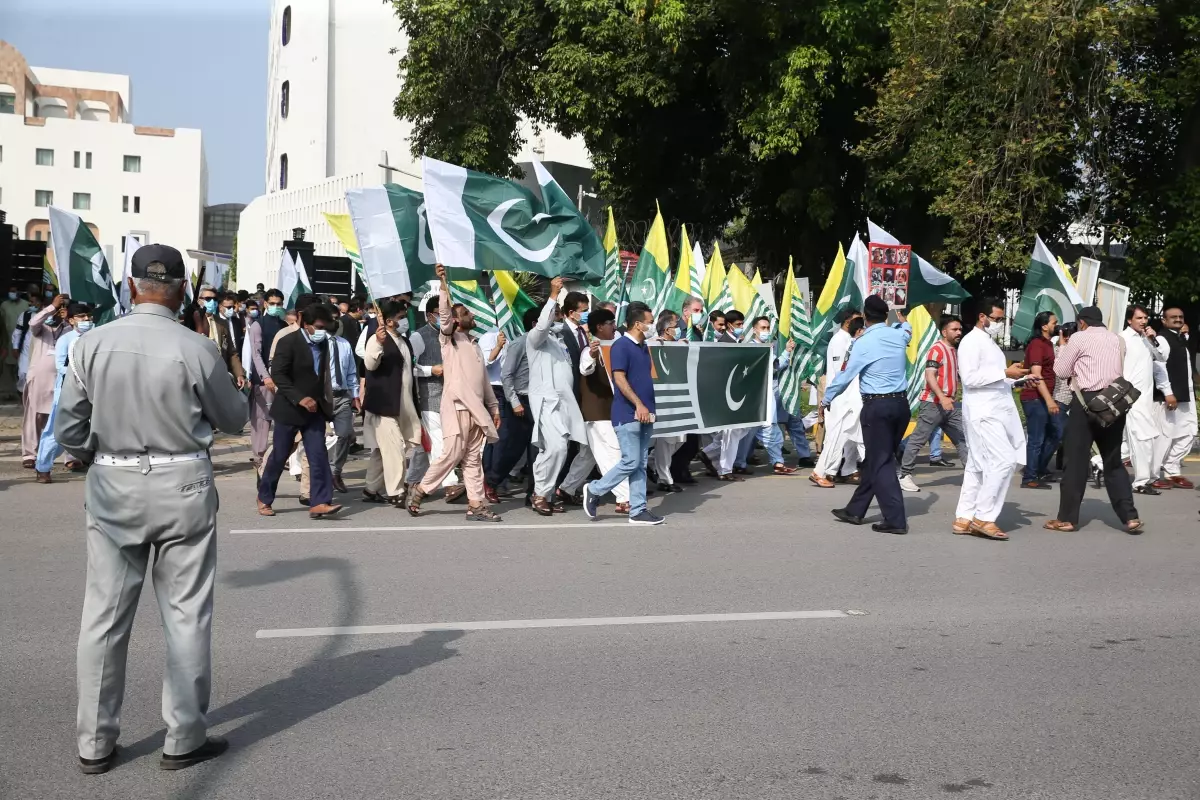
{"points": [[514, 375], [146, 384]]}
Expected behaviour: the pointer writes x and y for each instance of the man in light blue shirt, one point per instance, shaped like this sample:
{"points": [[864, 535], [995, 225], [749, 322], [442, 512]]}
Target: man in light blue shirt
{"points": [[879, 361], [343, 377]]}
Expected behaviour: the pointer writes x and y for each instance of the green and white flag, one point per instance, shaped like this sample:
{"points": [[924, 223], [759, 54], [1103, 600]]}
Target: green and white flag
{"points": [[651, 279], [511, 303], [1047, 288], [472, 295], [293, 279], [701, 388], [845, 287], [611, 291], [794, 324], [83, 272], [926, 283], [483, 223]]}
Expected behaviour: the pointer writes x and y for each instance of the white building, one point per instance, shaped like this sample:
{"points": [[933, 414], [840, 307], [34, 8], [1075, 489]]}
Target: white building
{"points": [[332, 82], [66, 139]]}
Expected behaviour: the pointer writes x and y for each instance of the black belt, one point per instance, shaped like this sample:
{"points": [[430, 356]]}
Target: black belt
{"points": [[884, 396]]}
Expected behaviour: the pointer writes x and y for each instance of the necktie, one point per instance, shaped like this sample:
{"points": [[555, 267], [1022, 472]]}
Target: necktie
{"points": [[337, 364], [582, 340]]}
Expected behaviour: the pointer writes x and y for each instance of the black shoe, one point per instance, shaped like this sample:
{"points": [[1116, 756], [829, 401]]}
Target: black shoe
{"points": [[374, 497], [708, 465], [883, 527], [669, 487], [1146, 489], [1049, 477], [98, 766], [753, 460], [807, 463], [304, 501], [339, 485], [940, 462], [215, 746], [846, 516], [652, 476], [685, 479], [355, 449], [561, 497]]}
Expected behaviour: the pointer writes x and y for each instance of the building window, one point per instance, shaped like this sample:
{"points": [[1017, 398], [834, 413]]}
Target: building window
{"points": [[133, 163], [81, 201], [37, 236], [283, 171], [8, 103], [77, 159], [287, 25], [125, 204], [285, 94], [45, 158], [43, 198], [87, 160], [137, 205]]}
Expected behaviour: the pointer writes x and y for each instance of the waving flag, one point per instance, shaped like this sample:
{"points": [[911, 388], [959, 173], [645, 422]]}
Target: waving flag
{"points": [[293, 279], [650, 283], [472, 295], [687, 276], [511, 303], [845, 286], [611, 290], [83, 272], [1047, 288], [793, 319], [713, 282], [484, 223], [925, 334], [343, 229], [926, 283]]}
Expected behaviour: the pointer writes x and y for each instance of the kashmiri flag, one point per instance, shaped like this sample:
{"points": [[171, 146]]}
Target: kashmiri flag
{"points": [[845, 286], [1047, 288], [793, 319], [511, 303], [744, 295], [650, 283], [83, 272], [724, 301], [472, 295], [483, 223], [713, 282], [132, 245], [926, 283], [343, 229], [687, 275], [924, 335], [611, 290], [48, 276], [293, 279]]}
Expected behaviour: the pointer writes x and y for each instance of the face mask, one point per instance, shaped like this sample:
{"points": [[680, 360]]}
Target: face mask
{"points": [[318, 336], [85, 326], [402, 327], [276, 311], [253, 313], [697, 319], [764, 337], [994, 329], [228, 313], [12, 295], [583, 318], [680, 331], [557, 327], [737, 332], [53, 322], [210, 307], [49, 294]]}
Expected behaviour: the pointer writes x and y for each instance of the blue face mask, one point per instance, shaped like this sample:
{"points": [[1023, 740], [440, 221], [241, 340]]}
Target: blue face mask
{"points": [[228, 313], [253, 313], [680, 331], [583, 318], [737, 332], [764, 337], [85, 326], [318, 336], [697, 319], [49, 294], [210, 306], [12, 295], [276, 311]]}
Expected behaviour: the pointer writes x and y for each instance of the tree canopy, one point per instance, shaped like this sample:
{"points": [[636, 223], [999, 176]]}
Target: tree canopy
{"points": [[965, 126]]}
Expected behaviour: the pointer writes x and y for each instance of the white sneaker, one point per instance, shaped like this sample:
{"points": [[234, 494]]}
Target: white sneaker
{"points": [[908, 484]]}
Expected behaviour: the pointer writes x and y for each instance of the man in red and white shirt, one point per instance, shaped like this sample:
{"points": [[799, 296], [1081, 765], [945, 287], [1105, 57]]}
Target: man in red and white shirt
{"points": [[937, 401]]}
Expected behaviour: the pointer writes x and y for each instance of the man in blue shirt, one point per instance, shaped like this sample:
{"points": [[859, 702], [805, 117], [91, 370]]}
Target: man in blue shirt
{"points": [[879, 361], [632, 417]]}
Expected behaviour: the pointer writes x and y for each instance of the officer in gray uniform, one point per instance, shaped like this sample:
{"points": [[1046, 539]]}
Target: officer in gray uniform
{"points": [[139, 404]]}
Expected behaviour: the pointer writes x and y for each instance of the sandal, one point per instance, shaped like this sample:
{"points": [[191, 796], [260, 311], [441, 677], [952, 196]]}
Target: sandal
{"points": [[415, 496], [1059, 525], [1134, 527], [709, 468], [820, 480], [731, 478], [541, 506], [784, 469], [455, 493], [961, 526], [481, 514], [621, 508], [743, 471], [373, 497], [988, 530]]}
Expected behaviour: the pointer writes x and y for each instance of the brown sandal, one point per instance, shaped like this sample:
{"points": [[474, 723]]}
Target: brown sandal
{"points": [[731, 478], [455, 493], [1060, 526], [415, 496], [1134, 527], [988, 530], [541, 506], [481, 514], [961, 526], [784, 469]]}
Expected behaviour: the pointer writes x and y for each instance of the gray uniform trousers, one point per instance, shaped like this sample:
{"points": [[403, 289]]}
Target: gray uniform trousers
{"points": [[930, 416], [169, 514], [343, 429]]}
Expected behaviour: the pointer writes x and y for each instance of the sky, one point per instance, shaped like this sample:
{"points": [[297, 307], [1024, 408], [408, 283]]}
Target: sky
{"points": [[192, 64]]}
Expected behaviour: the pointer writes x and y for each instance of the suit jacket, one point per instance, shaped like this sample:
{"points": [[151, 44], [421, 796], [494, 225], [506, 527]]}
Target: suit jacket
{"points": [[572, 342], [350, 328], [552, 379], [295, 379], [230, 350]]}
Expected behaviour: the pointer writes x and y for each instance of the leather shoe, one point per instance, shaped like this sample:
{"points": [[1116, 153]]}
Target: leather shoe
{"points": [[491, 495], [265, 510], [213, 747], [303, 500], [818, 480], [845, 516], [339, 485], [98, 766], [42, 477], [883, 527], [567, 499], [324, 510], [669, 487], [1182, 482], [686, 479], [1162, 483]]}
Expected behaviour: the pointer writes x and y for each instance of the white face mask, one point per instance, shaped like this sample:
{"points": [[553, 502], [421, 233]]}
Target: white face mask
{"points": [[994, 329], [402, 326]]}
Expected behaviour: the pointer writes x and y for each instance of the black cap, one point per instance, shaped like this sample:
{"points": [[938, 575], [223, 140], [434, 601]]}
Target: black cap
{"points": [[168, 263], [1091, 315], [875, 305]]}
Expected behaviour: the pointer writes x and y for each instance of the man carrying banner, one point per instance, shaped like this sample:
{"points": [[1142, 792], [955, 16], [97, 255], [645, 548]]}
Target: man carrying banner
{"points": [[596, 400]]}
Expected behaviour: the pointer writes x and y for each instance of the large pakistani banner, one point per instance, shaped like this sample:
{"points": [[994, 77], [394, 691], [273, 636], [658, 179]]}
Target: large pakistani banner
{"points": [[701, 387]]}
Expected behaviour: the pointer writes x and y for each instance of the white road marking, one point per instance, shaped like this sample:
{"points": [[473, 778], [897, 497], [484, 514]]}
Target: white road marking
{"points": [[521, 624], [474, 526]]}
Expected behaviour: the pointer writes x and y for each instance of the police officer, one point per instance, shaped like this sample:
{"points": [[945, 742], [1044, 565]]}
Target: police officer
{"points": [[140, 404]]}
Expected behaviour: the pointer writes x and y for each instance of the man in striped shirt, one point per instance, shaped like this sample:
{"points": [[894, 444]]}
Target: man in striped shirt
{"points": [[937, 401]]}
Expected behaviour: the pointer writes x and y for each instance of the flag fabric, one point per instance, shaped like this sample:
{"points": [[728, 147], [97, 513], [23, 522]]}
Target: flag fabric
{"points": [[845, 286], [687, 274], [925, 334], [48, 276], [1047, 288], [343, 229], [214, 274], [83, 272], [793, 325], [472, 295], [926, 283], [744, 294], [650, 283], [611, 289], [765, 305], [483, 223], [713, 282], [511, 303], [132, 245], [700, 388], [293, 279]]}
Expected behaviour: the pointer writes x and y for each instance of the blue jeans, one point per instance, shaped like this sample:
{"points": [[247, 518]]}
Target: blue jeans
{"points": [[746, 447], [1045, 432], [48, 448], [634, 438], [773, 440]]}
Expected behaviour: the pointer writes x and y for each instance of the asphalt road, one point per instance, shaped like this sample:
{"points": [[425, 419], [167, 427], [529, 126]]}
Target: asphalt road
{"points": [[1051, 666]]}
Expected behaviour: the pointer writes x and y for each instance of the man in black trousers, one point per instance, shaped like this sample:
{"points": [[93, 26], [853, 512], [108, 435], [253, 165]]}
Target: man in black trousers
{"points": [[878, 360]]}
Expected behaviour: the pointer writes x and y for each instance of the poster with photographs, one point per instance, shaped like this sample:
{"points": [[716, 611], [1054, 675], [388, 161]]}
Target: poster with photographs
{"points": [[889, 273]]}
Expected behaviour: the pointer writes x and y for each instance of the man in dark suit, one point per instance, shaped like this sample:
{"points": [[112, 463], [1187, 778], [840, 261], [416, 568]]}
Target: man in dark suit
{"points": [[349, 321], [303, 404], [575, 337]]}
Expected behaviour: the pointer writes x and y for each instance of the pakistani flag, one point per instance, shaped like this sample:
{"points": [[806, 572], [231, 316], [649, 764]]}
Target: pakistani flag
{"points": [[925, 334], [794, 324], [611, 290], [650, 283], [1047, 288], [293, 279], [713, 281], [472, 295], [132, 245], [845, 286], [343, 229], [511, 303], [700, 388], [83, 272], [483, 223], [926, 283]]}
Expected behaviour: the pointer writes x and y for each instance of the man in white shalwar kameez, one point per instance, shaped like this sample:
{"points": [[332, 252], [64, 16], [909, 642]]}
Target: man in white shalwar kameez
{"points": [[995, 435], [1143, 424], [1178, 408], [556, 415], [843, 421]]}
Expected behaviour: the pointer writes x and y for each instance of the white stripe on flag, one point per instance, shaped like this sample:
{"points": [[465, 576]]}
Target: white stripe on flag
{"points": [[383, 265], [453, 234]]}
